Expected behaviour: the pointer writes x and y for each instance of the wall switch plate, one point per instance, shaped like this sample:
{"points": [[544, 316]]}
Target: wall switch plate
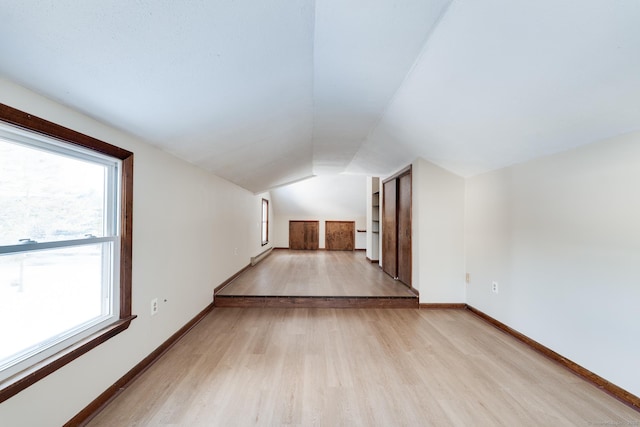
{"points": [[154, 306], [494, 287]]}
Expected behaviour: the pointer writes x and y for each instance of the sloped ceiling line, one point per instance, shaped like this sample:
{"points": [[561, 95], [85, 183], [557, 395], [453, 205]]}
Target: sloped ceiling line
{"points": [[408, 157], [267, 93]]}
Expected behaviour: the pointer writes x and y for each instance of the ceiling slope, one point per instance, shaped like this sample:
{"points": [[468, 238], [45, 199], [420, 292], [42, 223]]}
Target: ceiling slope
{"points": [[503, 82], [363, 49], [267, 93], [227, 85]]}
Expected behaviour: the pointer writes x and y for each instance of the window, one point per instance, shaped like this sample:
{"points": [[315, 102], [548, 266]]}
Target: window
{"points": [[65, 246], [265, 222]]}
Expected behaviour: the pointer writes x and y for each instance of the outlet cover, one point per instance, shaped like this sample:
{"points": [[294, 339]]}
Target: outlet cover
{"points": [[494, 287], [154, 306]]}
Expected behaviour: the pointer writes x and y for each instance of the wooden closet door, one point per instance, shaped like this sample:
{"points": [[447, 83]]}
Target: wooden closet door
{"points": [[389, 229], [312, 235], [404, 229], [396, 230], [303, 235], [296, 235], [340, 235]]}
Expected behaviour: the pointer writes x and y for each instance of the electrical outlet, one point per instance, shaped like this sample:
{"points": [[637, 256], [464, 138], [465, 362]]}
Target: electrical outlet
{"points": [[235, 251], [154, 306], [494, 287]]}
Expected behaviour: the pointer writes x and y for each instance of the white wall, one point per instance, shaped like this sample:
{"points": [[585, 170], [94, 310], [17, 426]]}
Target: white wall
{"points": [[561, 236], [322, 198], [437, 234], [187, 227]]}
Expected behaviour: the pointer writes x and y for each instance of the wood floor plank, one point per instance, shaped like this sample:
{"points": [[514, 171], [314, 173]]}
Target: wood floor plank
{"points": [[377, 367], [315, 273]]}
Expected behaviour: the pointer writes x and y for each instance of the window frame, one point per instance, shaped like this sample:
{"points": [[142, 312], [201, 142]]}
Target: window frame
{"points": [[264, 221], [27, 122]]}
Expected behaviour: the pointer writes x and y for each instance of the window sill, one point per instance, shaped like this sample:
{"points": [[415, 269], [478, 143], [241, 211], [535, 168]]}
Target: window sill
{"points": [[15, 384]]}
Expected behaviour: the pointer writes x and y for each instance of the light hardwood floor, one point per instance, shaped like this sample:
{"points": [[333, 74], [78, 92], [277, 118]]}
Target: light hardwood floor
{"points": [[316, 273], [350, 367]]}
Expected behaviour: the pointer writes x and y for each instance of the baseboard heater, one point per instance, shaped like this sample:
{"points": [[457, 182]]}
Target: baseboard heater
{"points": [[262, 255]]}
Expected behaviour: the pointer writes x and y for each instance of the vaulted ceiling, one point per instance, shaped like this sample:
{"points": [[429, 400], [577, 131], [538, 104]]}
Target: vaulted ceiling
{"points": [[269, 92]]}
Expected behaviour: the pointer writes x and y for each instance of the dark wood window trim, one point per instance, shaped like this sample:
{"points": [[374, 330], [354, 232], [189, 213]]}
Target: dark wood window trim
{"points": [[26, 378], [264, 222]]}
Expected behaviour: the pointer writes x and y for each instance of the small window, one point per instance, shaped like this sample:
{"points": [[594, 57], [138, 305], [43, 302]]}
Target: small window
{"points": [[265, 222], [64, 246]]}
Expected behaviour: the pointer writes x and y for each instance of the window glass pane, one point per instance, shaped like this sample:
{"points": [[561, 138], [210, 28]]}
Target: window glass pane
{"points": [[48, 197], [45, 294], [265, 221], [58, 189]]}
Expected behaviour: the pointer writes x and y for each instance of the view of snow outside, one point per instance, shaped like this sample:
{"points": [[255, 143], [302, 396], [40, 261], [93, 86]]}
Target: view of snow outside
{"points": [[47, 197]]}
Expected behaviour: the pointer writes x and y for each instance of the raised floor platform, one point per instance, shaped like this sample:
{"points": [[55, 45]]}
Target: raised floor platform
{"points": [[315, 301], [323, 279]]}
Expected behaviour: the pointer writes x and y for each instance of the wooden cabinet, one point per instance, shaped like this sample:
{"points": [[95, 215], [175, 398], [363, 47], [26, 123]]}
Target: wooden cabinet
{"points": [[304, 235], [340, 235], [396, 226]]}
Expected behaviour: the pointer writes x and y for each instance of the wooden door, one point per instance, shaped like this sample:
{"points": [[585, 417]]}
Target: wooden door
{"points": [[304, 235], [340, 235], [389, 229], [404, 228]]}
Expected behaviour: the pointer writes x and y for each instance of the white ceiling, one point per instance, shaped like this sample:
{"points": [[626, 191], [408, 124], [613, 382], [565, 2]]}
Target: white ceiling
{"points": [[264, 93], [317, 198]]}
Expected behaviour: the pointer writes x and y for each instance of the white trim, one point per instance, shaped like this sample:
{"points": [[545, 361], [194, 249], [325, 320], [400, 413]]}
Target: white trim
{"points": [[35, 246], [13, 134]]}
